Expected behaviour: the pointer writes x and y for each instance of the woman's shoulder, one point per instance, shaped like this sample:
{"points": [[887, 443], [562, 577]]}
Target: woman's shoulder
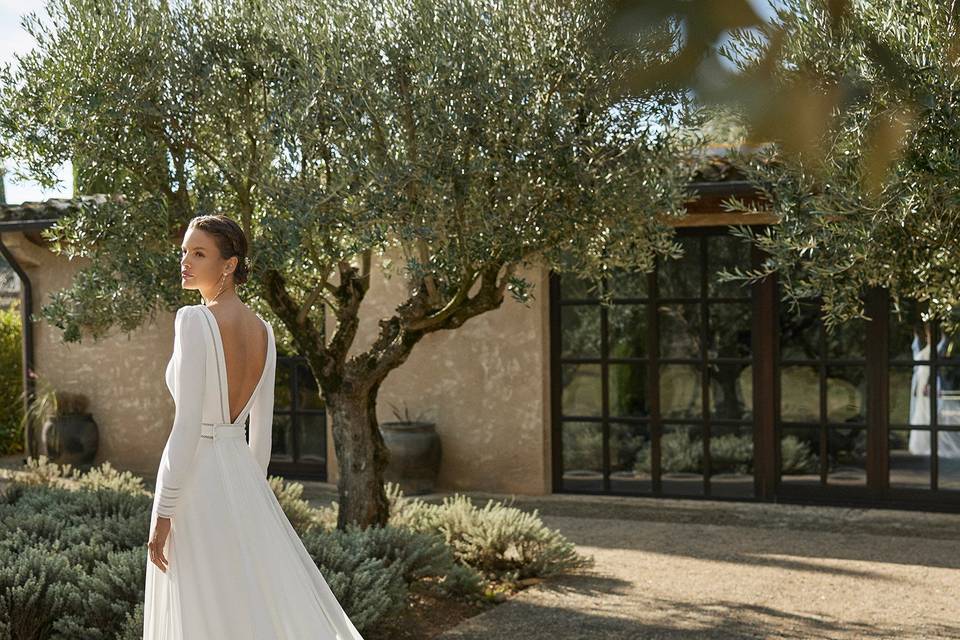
{"points": [[190, 313], [189, 308]]}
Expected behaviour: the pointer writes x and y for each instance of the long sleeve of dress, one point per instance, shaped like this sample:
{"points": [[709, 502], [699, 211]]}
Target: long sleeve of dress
{"points": [[261, 414], [189, 376]]}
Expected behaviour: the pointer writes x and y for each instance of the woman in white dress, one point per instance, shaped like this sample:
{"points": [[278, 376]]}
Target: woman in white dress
{"points": [[223, 560]]}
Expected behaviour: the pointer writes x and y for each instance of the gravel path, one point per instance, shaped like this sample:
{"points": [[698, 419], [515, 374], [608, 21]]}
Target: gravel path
{"points": [[683, 579]]}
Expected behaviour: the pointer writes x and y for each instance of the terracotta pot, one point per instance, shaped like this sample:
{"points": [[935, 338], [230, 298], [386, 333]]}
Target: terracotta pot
{"points": [[414, 455], [71, 439]]}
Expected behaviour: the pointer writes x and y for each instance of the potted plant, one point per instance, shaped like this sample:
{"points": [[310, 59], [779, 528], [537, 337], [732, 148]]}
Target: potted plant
{"points": [[68, 433], [414, 447]]}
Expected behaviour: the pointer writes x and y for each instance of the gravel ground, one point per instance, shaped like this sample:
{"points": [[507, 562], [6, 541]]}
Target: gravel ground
{"points": [[810, 572]]}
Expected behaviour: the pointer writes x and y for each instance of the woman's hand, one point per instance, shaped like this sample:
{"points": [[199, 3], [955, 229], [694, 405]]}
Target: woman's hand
{"points": [[160, 533]]}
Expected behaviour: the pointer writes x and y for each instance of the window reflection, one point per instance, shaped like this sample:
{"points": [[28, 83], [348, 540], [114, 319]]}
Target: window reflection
{"points": [[580, 334], [582, 448], [680, 391], [628, 444], [581, 395], [627, 327], [933, 384], [680, 331]]}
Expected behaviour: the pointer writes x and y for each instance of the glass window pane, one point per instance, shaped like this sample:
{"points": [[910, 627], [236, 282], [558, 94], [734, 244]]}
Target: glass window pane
{"points": [[730, 330], [627, 331], [580, 331], [908, 404], [799, 332], [628, 390], [948, 460], [949, 347], [575, 287], [680, 391], [629, 458], [909, 334], [731, 390], [726, 253], [282, 440], [681, 459], [846, 394], [313, 438], [309, 391], [581, 394], [799, 393], [680, 278], [799, 455], [909, 458], [628, 284], [847, 341], [679, 331], [847, 451], [282, 396], [582, 446], [731, 460], [948, 397]]}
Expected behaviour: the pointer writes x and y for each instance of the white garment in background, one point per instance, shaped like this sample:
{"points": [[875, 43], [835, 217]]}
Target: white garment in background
{"points": [[237, 570], [948, 442]]}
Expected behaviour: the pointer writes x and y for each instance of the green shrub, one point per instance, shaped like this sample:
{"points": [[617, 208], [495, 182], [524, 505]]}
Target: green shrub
{"points": [[796, 456], [731, 453], [372, 570], [11, 381], [501, 541], [679, 452], [368, 588], [498, 542], [38, 591], [301, 515], [682, 452], [42, 471], [111, 590]]}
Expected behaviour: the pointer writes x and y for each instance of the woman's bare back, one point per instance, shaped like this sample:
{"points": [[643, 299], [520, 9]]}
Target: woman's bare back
{"points": [[244, 338]]}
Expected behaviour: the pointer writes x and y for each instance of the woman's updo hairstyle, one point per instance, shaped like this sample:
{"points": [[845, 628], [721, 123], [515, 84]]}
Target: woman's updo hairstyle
{"points": [[230, 239]]}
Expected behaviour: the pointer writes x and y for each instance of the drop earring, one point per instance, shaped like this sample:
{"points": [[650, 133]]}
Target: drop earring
{"points": [[220, 291]]}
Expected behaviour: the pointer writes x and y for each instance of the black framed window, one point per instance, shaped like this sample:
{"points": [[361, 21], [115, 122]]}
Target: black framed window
{"points": [[299, 422], [654, 393], [823, 394]]}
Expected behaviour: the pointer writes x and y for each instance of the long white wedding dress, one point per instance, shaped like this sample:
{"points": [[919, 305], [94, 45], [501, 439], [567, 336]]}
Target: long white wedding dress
{"points": [[237, 570]]}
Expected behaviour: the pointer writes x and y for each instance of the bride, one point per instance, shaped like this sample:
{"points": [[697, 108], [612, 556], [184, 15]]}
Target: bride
{"points": [[224, 562]]}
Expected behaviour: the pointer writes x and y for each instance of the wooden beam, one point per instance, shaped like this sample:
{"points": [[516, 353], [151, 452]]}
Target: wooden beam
{"points": [[721, 219]]}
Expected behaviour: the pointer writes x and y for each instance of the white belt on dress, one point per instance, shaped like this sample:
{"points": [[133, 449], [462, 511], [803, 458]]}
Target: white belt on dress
{"points": [[214, 430]]}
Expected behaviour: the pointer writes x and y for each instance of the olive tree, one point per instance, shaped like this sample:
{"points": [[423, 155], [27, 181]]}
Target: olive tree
{"points": [[472, 137], [858, 101]]}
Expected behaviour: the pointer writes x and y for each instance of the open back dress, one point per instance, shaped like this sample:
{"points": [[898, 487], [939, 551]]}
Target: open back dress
{"points": [[237, 570]]}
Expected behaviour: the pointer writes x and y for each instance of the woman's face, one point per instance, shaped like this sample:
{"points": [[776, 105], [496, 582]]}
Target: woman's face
{"points": [[200, 263]]}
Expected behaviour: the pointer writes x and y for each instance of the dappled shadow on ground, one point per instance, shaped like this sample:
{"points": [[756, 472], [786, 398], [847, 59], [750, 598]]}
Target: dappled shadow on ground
{"points": [[574, 607], [790, 550]]}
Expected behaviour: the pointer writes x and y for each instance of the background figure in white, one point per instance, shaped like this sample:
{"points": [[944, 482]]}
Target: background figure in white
{"points": [[948, 407]]}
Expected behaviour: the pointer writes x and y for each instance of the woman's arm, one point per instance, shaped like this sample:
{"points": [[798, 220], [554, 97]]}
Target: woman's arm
{"points": [[261, 414], [189, 375]]}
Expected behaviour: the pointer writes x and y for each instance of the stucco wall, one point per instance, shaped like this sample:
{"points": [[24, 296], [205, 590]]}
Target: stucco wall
{"points": [[121, 374], [485, 385]]}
